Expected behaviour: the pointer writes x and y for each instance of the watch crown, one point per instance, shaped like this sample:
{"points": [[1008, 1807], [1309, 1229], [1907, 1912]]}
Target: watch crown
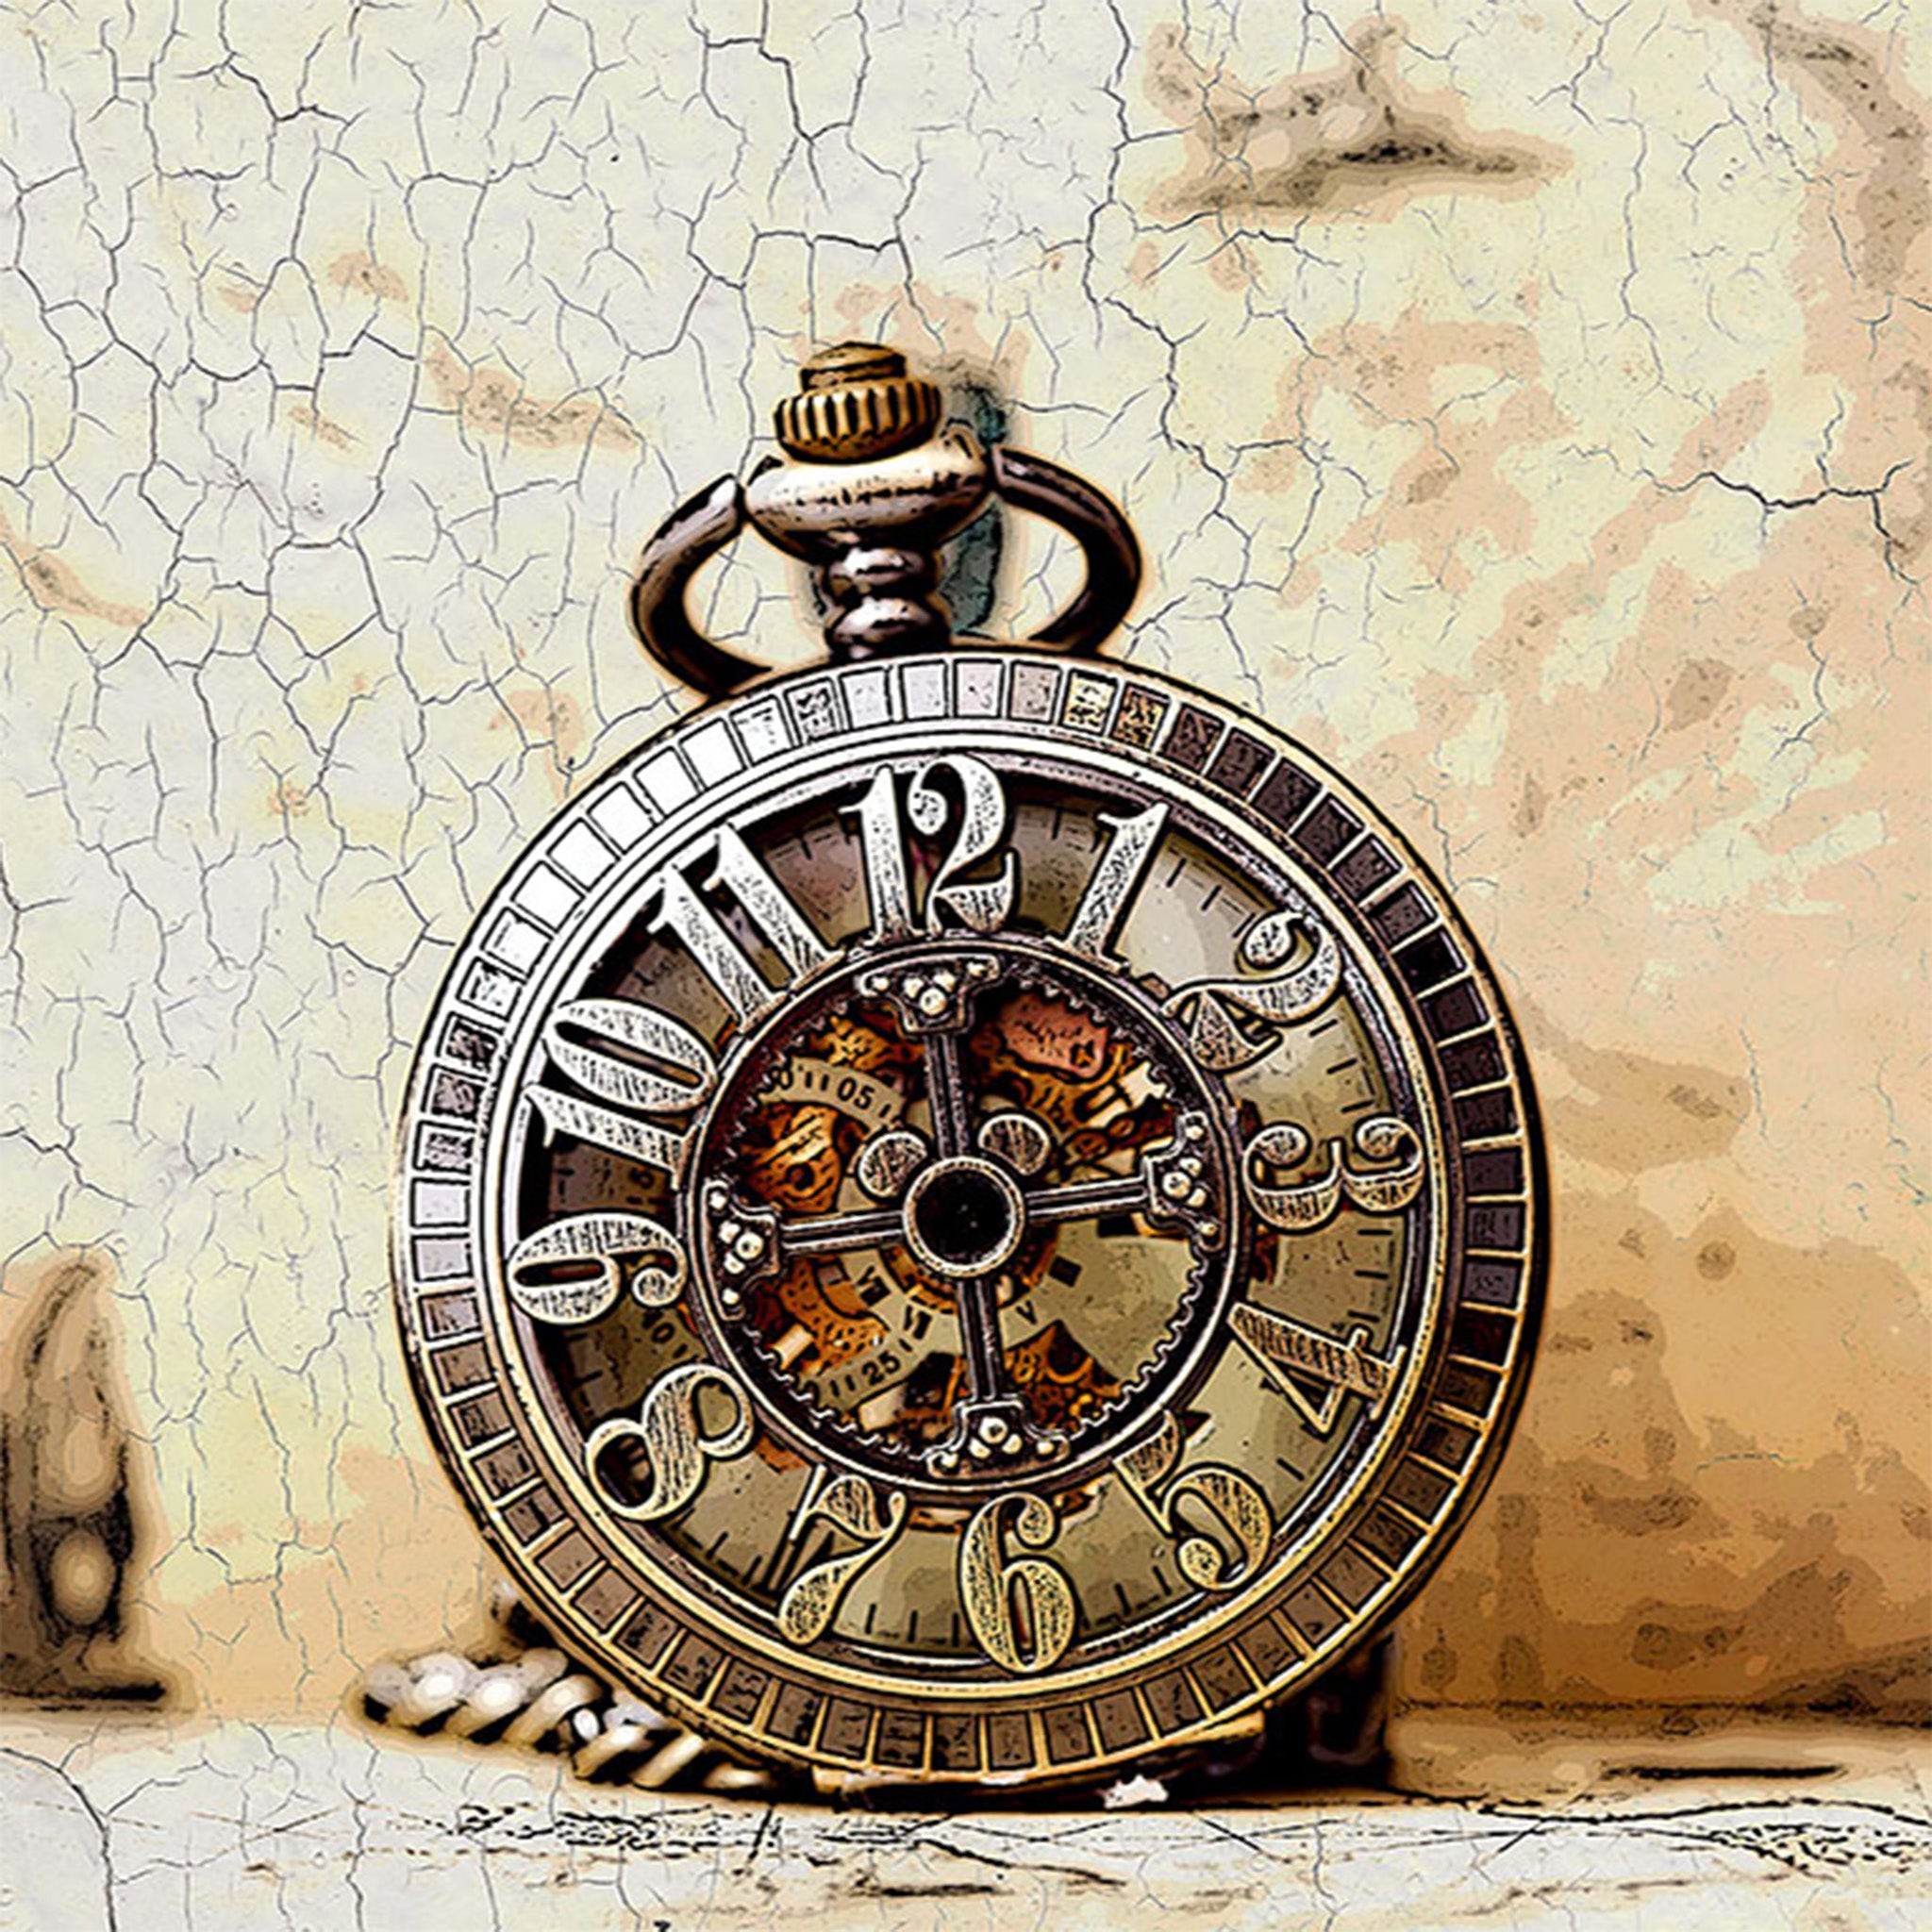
{"points": [[855, 402]]}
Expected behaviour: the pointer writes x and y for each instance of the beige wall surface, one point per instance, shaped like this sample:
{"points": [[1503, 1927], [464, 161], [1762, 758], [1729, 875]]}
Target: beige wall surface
{"points": [[1526, 406]]}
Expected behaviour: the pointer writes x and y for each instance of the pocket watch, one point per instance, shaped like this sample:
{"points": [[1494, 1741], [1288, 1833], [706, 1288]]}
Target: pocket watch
{"points": [[967, 1213]]}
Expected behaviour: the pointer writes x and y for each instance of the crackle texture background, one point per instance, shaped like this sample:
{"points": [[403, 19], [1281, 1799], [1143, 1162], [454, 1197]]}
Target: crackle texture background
{"points": [[1526, 406]]}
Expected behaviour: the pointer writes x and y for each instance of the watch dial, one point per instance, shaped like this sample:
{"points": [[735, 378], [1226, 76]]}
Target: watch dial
{"points": [[969, 1217]]}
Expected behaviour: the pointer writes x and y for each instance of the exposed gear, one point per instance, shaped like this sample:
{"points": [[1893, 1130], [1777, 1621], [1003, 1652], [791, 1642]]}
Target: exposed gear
{"points": [[1076, 1107]]}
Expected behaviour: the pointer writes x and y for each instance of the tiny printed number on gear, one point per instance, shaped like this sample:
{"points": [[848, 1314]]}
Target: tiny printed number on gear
{"points": [[971, 1216]]}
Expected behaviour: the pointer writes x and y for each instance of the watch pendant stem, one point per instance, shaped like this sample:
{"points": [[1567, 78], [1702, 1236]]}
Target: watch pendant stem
{"points": [[873, 489]]}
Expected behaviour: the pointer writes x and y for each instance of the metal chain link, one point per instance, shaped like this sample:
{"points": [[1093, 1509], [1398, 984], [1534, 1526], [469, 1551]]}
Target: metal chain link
{"points": [[520, 1690]]}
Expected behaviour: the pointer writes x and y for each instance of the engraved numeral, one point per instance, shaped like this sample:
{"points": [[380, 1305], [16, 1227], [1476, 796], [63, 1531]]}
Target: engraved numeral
{"points": [[685, 917], [1021, 1608], [631, 1055], [882, 851], [583, 1120], [634, 1057], [1293, 1356], [1122, 865], [1238, 1525], [1302, 1205], [1221, 1015], [745, 876], [983, 907], [981, 904], [669, 1433], [851, 1503], [575, 1270]]}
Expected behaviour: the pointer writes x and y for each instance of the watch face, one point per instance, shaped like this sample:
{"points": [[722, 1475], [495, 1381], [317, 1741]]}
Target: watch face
{"points": [[970, 1217]]}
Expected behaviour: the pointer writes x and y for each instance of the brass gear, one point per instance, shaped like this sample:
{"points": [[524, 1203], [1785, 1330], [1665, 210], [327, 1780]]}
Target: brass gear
{"points": [[1031, 972]]}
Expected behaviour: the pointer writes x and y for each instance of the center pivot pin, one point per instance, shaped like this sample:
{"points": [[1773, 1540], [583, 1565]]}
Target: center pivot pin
{"points": [[964, 1217]]}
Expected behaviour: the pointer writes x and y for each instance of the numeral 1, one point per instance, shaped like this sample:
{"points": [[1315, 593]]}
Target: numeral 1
{"points": [[1123, 864], [685, 917], [882, 850]]}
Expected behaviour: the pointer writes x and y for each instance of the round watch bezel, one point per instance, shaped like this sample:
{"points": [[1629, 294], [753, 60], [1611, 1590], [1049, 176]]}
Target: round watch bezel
{"points": [[1331, 846]]}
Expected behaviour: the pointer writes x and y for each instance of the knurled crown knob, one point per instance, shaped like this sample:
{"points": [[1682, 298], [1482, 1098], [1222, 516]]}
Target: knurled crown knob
{"points": [[855, 402]]}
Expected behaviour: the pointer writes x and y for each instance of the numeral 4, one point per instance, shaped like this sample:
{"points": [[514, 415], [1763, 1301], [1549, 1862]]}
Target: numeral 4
{"points": [[1293, 1356]]}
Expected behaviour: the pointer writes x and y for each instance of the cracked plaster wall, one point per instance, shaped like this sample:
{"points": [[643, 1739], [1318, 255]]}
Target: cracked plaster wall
{"points": [[1526, 406]]}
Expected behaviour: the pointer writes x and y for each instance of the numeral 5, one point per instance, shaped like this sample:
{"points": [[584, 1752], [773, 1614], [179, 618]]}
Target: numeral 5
{"points": [[1239, 1524]]}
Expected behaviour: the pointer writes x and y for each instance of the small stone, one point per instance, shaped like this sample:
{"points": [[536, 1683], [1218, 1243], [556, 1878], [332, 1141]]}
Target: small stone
{"points": [[1134, 1794]]}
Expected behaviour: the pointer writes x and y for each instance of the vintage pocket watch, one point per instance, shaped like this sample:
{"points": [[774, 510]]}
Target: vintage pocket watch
{"points": [[966, 1213]]}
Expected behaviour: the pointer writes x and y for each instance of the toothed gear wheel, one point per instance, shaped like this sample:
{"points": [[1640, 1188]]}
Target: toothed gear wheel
{"points": [[1089, 1131]]}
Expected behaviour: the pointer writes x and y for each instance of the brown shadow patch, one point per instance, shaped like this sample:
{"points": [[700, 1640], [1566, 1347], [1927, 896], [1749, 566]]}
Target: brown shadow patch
{"points": [[72, 1504], [365, 275], [551, 723], [54, 586], [1632, 1112], [1696, 692], [319, 426], [493, 403], [1349, 139], [1650, 1553], [1894, 205]]}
